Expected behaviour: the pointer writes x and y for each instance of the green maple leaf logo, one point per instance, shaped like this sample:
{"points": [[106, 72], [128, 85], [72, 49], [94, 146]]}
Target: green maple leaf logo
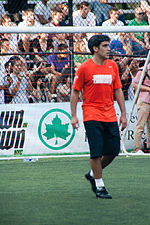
{"points": [[56, 130]]}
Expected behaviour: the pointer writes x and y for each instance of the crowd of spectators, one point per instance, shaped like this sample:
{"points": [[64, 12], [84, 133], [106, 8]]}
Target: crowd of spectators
{"points": [[38, 73]]}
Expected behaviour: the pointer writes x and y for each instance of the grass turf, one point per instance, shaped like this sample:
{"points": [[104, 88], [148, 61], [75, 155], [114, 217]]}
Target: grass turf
{"points": [[55, 192]]}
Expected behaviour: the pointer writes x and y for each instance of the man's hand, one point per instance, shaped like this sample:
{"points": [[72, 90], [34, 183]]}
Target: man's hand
{"points": [[75, 122], [123, 121]]}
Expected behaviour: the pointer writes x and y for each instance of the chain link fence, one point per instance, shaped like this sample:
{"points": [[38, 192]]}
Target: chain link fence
{"points": [[40, 67]]}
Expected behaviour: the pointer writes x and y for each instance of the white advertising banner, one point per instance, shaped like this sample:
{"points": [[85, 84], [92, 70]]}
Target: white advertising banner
{"points": [[45, 129]]}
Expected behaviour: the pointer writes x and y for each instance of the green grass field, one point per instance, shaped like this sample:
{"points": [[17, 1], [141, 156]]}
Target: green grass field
{"points": [[55, 192]]}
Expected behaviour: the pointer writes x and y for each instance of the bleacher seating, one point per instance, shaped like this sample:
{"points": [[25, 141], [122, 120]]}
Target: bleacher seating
{"points": [[129, 10]]}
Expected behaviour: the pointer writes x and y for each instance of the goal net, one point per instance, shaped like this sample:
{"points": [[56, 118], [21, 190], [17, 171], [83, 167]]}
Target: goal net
{"points": [[38, 65]]}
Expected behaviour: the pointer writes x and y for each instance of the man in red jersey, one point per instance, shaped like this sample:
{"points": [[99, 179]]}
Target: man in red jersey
{"points": [[98, 78]]}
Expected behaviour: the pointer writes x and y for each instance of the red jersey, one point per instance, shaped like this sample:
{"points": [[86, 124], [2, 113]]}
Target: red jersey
{"points": [[97, 83]]}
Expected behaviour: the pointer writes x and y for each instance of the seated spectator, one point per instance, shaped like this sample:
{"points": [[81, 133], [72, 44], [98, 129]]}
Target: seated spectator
{"points": [[140, 39], [57, 16], [25, 40], [145, 6], [65, 14], [122, 44], [63, 91], [60, 39], [64, 82], [61, 60], [4, 48], [41, 92], [134, 68], [42, 44], [84, 17], [5, 80], [13, 38], [101, 8], [44, 71], [80, 46], [125, 67], [113, 21], [43, 12], [15, 7], [2, 10], [21, 84], [41, 71], [58, 62], [129, 72]]}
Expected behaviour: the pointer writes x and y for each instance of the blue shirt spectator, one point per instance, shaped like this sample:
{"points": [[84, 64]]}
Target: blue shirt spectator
{"points": [[59, 61], [122, 44]]}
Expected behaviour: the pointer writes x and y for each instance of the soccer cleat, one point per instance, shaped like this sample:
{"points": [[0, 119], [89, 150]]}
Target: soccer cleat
{"points": [[91, 180], [102, 193]]}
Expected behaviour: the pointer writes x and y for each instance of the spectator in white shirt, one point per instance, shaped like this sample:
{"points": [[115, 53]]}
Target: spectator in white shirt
{"points": [[21, 85], [43, 12], [13, 38], [84, 17], [113, 21], [25, 40]]}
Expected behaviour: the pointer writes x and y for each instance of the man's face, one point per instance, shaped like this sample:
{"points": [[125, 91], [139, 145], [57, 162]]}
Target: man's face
{"points": [[103, 51], [117, 59], [84, 10], [43, 36], [45, 1], [114, 15], [62, 55], [7, 22], [59, 16], [5, 46], [17, 68], [103, 1], [30, 18], [139, 13]]}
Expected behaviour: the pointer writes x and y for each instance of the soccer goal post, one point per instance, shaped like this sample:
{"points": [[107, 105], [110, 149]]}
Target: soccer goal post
{"points": [[15, 118]]}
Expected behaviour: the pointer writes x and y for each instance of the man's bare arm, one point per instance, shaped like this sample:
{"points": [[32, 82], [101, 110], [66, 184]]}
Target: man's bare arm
{"points": [[73, 102]]}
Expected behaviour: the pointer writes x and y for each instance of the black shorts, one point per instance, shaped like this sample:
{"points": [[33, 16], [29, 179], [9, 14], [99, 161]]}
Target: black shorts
{"points": [[103, 138]]}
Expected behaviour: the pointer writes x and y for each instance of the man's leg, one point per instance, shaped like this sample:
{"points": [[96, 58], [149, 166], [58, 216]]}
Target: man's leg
{"points": [[96, 166], [141, 122], [98, 185], [94, 130], [106, 160]]}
